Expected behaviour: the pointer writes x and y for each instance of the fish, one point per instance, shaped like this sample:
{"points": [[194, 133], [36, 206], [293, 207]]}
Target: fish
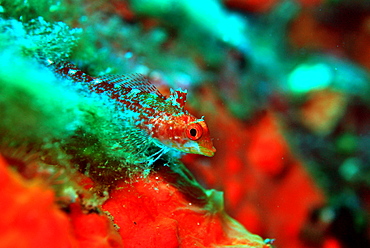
{"points": [[164, 119]]}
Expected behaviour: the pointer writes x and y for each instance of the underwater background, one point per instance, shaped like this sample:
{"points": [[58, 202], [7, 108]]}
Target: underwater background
{"points": [[283, 86]]}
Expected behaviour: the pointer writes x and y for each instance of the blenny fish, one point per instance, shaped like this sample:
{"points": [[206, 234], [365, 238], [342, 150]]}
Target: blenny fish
{"points": [[163, 118]]}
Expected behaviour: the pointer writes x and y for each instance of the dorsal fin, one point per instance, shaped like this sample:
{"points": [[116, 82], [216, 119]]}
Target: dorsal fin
{"points": [[178, 97], [132, 81]]}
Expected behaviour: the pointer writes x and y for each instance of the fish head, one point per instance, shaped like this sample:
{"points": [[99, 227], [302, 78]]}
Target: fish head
{"points": [[198, 139], [184, 133]]}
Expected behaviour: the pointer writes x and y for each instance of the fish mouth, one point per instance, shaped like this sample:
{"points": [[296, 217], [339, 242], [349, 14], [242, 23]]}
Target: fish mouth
{"points": [[209, 152]]}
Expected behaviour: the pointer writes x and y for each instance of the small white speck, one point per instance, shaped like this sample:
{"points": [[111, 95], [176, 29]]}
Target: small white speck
{"points": [[72, 72], [96, 81], [128, 55]]}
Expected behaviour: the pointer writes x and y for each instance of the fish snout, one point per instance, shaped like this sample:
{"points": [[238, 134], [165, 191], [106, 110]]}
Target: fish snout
{"points": [[208, 151]]}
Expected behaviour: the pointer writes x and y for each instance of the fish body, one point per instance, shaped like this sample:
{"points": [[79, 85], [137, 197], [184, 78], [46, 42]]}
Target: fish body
{"points": [[163, 118]]}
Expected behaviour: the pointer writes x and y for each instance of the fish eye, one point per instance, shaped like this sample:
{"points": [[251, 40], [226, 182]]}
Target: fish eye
{"points": [[194, 131]]}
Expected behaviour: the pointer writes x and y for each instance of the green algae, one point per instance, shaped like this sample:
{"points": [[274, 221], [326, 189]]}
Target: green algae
{"points": [[51, 10], [38, 38], [32, 104]]}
